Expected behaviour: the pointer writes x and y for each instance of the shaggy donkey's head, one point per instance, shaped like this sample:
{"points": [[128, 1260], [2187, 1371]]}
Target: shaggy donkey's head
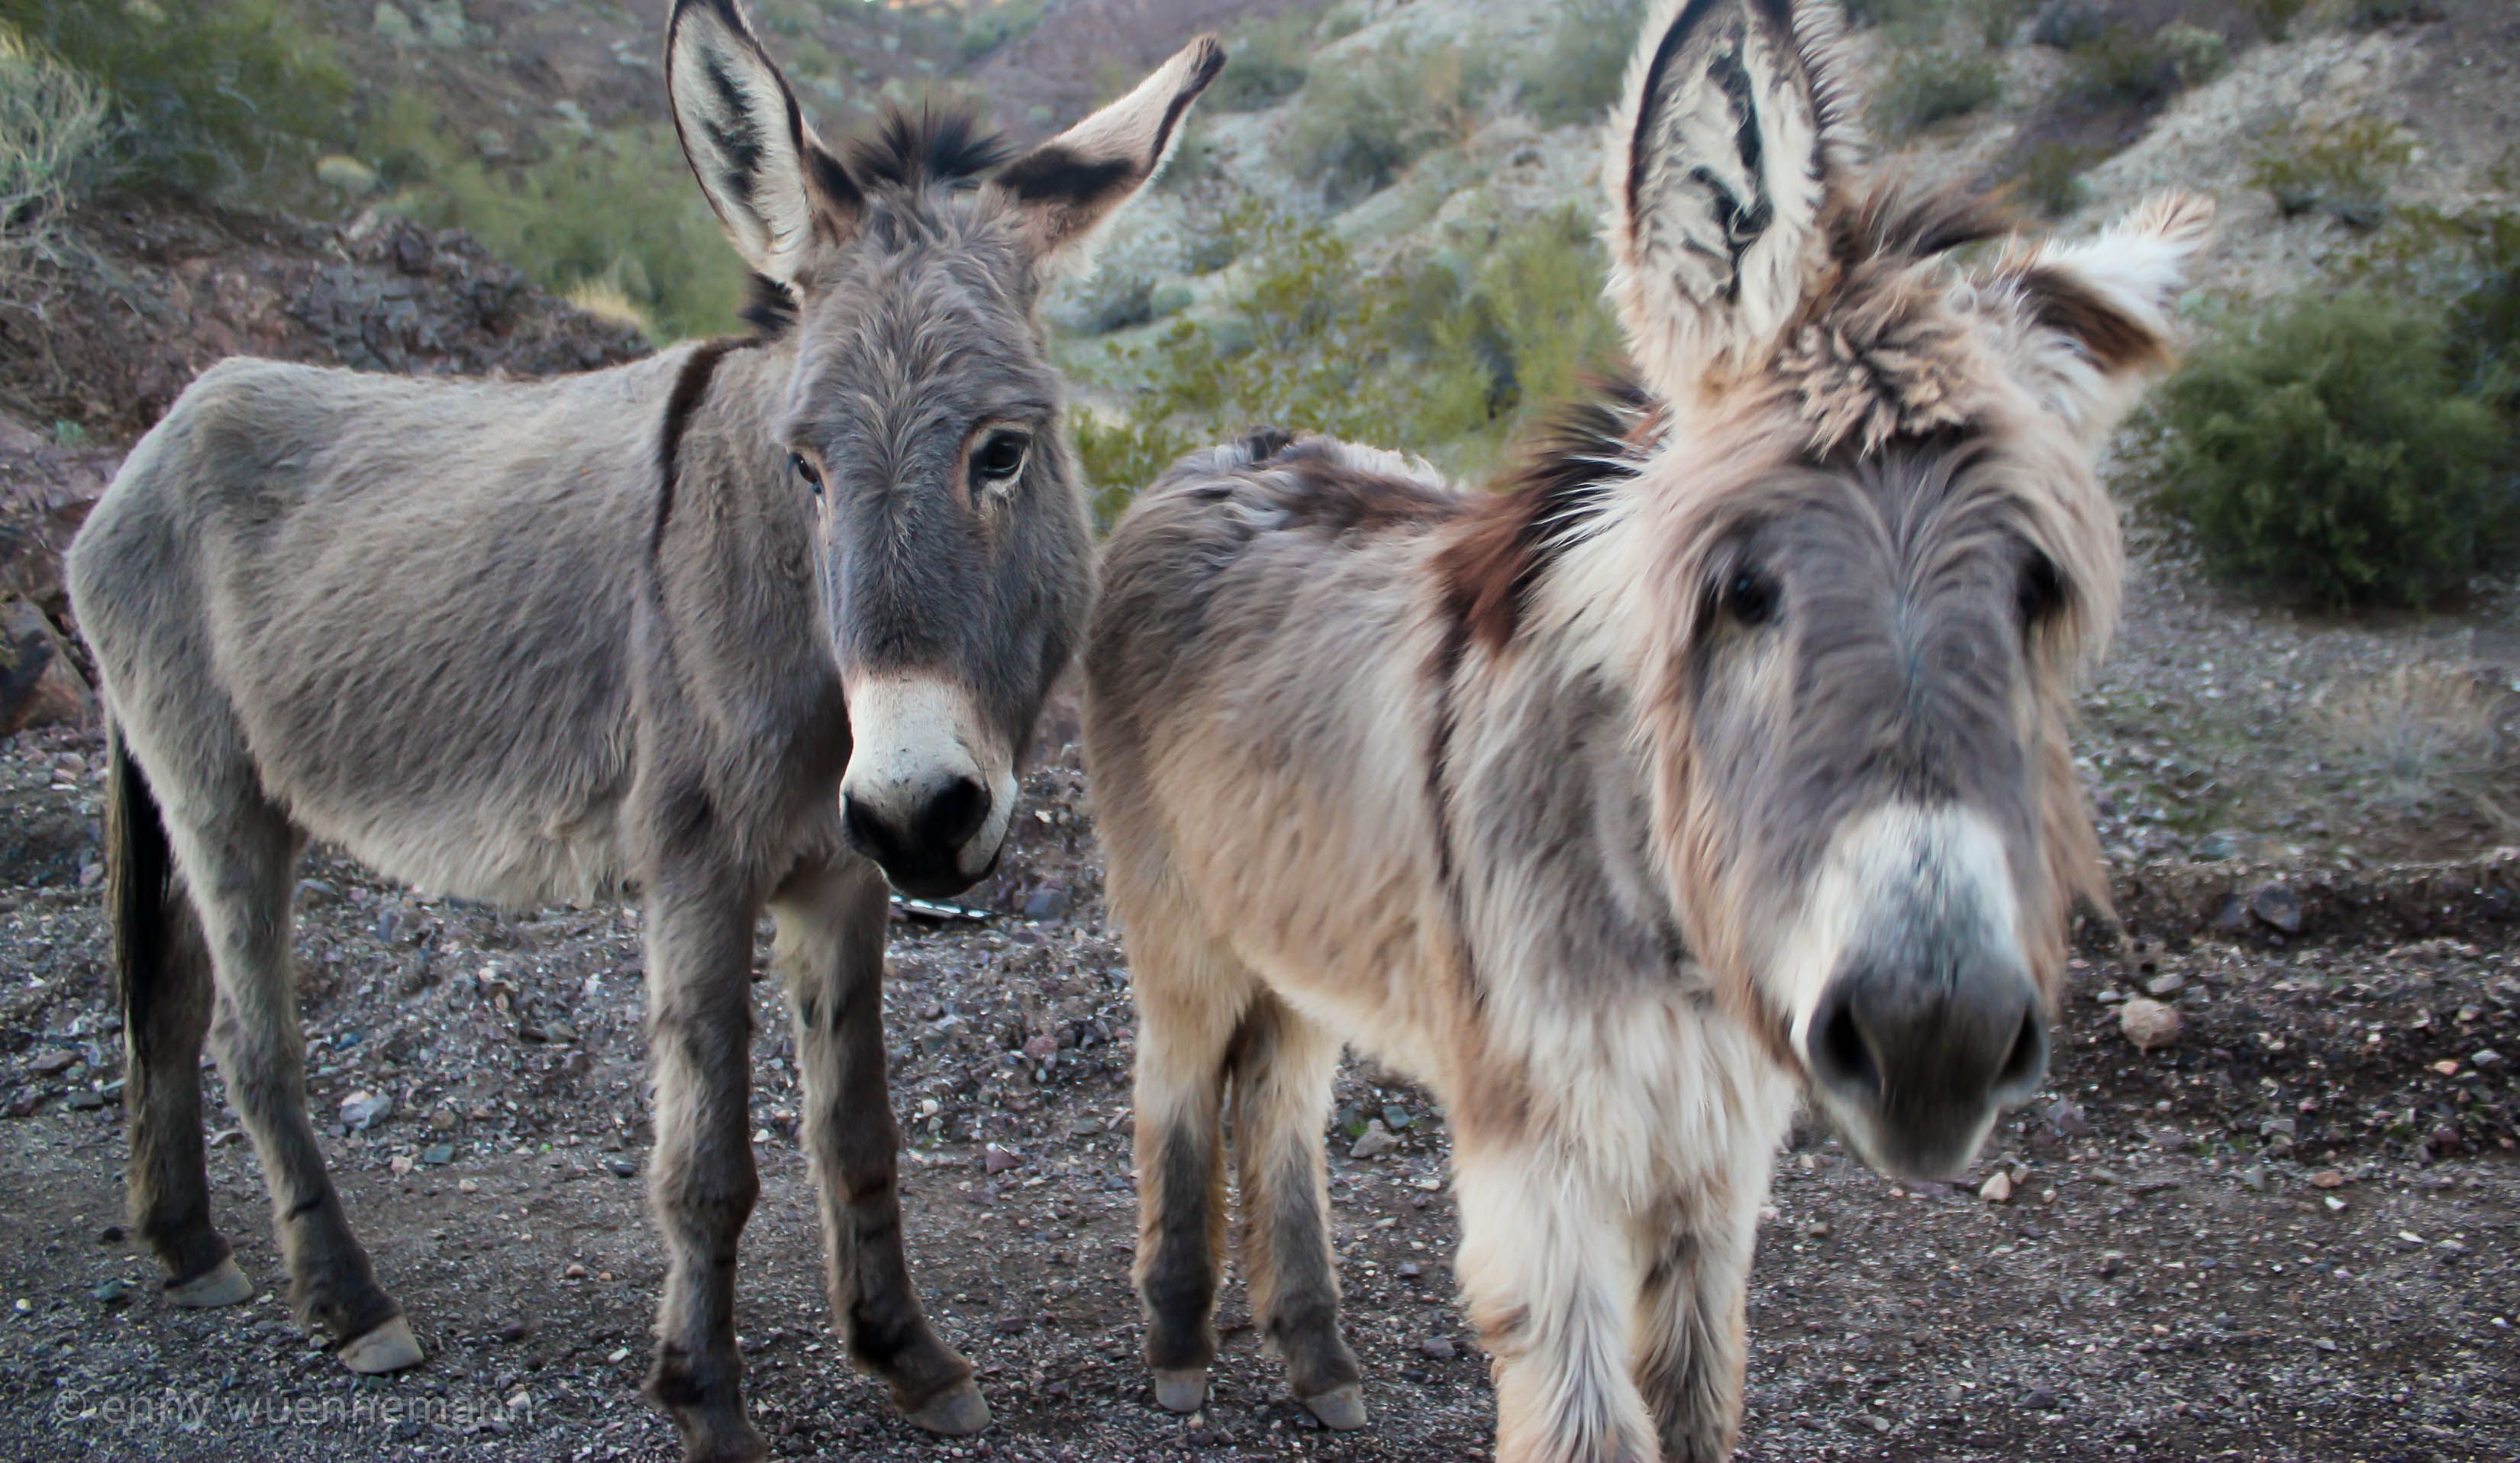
{"points": [[953, 552], [1878, 559]]}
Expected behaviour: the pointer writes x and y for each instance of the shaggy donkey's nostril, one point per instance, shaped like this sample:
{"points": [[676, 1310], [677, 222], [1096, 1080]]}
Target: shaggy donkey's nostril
{"points": [[1840, 1057], [2027, 1064]]}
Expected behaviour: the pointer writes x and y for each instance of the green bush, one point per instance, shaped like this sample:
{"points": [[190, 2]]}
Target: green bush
{"points": [[1577, 78], [1992, 22], [2365, 15], [2049, 177], [1265, 64], [2273, 17], [994, 22], [1926, 87], [1361, 124], [617, 208], [2127, 67], [2328, 455], [2343, 170], [208, 94], [1445, 356]]}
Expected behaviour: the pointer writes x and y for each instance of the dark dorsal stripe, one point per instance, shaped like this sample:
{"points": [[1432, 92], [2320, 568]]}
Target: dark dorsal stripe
{"points": [[1490, 570], [691, 388]]}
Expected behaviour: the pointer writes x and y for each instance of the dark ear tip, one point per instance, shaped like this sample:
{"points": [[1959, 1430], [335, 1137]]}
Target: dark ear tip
{"points": [[1210, 61], [726, 13]]}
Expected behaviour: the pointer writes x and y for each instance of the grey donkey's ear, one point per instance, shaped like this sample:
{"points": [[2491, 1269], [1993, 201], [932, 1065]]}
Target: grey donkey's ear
{"points": [[1065, 189], [1721, 158], [774, 186]]}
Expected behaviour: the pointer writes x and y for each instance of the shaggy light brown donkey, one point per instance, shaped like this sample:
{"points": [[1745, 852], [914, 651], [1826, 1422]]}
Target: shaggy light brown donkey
{"points": [[751, 624], [1722, 759]]}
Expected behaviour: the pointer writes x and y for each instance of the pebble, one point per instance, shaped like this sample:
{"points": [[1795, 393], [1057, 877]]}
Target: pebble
{"points": [[2213, 848], [1047, 903], [2165, 986], [995, 1160], [111, 1293], [83, 1102], [1376, 1142], [54, 1063], [2066, 1117], [1440, 1347], [2327, 1178], [363, 1109], [2148, 1023], [2486, 1059], [2279, 907], [623, 1168], [1997, 1188]]}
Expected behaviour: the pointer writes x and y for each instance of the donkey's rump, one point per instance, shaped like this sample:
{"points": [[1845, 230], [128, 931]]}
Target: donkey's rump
{"points": [[397, 601]]}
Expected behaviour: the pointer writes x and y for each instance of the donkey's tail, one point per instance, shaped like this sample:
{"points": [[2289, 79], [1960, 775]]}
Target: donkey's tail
{"points": [[159, 952]]}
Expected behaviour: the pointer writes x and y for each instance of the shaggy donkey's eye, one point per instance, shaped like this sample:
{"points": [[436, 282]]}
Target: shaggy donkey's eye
{"points": [[806, 472], [1001, 456], [1749, 597]]}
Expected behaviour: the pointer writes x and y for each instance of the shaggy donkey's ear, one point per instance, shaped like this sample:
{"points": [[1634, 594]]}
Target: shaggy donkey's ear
{"points": [[1721, 158], [774, 186], [1066, 189], [2095, 318]]}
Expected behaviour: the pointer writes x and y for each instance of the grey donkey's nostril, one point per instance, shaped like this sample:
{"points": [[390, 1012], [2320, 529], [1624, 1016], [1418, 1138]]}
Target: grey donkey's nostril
{"points": [[2027, 1063], [954, 814], [1840, 1056]]}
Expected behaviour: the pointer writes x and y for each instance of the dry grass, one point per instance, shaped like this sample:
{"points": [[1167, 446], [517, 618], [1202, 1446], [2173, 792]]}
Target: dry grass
{"points": [[55, 127], [2426, 732], [604, 298]]}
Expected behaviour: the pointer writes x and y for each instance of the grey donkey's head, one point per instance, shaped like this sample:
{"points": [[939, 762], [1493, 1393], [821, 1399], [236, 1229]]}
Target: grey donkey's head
{"points": [[955, 555]]}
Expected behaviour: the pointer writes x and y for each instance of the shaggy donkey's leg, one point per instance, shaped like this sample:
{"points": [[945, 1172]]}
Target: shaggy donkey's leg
{"points": [[831, 956], [1282, 1067], [700, 1178], [1690, 1315], [1189, 996], [1551, 1279], [240, 867]]}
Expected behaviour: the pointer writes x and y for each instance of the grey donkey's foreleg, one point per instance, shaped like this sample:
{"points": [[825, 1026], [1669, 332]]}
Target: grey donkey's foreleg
{"points": [[830, 952], [240, 863], [701, 1180], [162, 970]]}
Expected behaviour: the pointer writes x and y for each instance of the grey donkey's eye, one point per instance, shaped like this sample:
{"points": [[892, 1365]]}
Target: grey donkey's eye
{"points": [[806, 472], [999, 458], [1749, 597]]}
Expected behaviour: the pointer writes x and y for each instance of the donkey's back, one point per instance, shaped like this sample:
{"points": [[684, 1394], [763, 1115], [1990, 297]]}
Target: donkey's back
{"points": [[283, 550]]}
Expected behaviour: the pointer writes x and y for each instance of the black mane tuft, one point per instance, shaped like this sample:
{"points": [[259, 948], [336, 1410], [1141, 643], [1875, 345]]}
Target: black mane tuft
{"points": [[769, 307], [911, 150]]}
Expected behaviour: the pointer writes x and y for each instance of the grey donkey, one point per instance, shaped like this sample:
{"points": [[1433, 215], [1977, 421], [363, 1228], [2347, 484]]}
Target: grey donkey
{"points": [[753, 622]]}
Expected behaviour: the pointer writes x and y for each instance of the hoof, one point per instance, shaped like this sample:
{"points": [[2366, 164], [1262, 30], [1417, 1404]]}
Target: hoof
{"points": [[1341, 1409], [224, 1286], [1181, 1390], [736, 1444], [959, 1413], [390, 1348]]}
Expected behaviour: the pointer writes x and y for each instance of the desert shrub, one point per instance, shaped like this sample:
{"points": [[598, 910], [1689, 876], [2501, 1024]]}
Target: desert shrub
{"points": [[54, 135], [2366, 15], [2273, 17], [2127, 67], [1577, 77], [2049, 177], [1264, 64], [1359, 125], [1445, 356], [618, 207], [1926, 87], [2423, 733], [1992, 22], [993, 24], [1113, 300], [2343, 169], [208, 94], [2328, 454]]}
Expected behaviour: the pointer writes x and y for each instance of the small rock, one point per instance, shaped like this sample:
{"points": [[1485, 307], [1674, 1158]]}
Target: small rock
{"points": [[2066, 1117], [1040, 1046], [53, 1063], [513, 1331], [2254, 1179], [1410, 1270], [2486, 1059], [2323, 1344], [361, 1111], [1440, 1347], [1997, 1188], [111, 1293], [621, 1167], [2148, 1023], [2286, 1128], [2327, 1178], [995, 1160], [1047, 903], [112, 1234], [466, 1186], [1396, 1118], [2213, 848], [561, 1030], [2040, 1400], [573, 1271], [1378, 1141], [2279, 907], [2447, 1067], [83, 1100], [2165, 986]]}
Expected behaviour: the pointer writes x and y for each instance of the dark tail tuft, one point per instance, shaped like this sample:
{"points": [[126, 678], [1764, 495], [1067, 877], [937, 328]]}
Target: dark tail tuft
{"points": [[155, 941]]}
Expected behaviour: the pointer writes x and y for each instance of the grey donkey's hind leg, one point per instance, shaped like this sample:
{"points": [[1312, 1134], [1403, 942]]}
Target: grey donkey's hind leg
{"points": [[1282, 1067], [240, 864], [701, 1180], [831, 923], [163, 973]]}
